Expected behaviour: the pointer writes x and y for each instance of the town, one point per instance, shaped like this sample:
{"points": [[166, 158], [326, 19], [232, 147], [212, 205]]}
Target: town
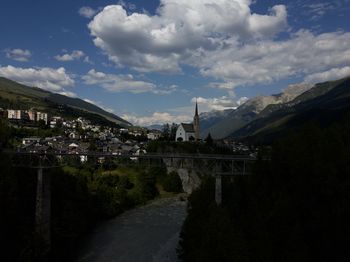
{"points": [[80, 136]]}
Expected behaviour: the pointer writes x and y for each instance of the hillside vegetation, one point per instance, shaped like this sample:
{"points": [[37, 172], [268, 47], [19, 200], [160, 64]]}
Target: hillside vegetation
{"points": [[293, 208], [17, 96]]}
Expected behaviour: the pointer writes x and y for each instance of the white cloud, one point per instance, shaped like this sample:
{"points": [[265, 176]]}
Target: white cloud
{"points": [[156, 118], [87, 60], [318, 10], [218, 103], [68, 93], [127, 5], [50, 79], [242, 100], [120, 83], [179, 31], [87, 11], [17, 54], [221, 38], [267, 61], [100, 104], [333, 74], [75, 55]]}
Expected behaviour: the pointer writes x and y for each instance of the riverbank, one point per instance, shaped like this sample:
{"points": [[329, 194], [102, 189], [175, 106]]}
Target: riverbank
{"points": [[146, 233]]}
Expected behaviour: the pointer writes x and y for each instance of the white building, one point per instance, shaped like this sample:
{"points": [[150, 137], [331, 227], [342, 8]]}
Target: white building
{"points": [[189, 132], [42, 116], [154, 135], [185, 132], [15, 114]]}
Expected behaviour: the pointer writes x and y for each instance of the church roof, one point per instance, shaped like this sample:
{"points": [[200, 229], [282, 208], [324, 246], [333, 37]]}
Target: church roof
{"points": [[188, 127]]}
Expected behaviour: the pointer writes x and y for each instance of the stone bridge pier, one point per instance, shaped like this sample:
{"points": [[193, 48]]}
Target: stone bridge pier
{"points": [[43, 210]]}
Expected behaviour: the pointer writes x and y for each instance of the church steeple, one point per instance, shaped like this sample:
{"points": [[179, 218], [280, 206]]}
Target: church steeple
{"points": [[196, 123]]}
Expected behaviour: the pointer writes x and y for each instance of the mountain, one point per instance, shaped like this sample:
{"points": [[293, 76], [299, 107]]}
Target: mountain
{"points": [[324, 104], [236, 119], [18, 96], [155, 127], [209, 119]]}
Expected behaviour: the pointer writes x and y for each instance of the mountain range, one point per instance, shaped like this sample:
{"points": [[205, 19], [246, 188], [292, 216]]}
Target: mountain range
{"points": [[263, 118], [223, 123], [322, 105], [18, 96]]}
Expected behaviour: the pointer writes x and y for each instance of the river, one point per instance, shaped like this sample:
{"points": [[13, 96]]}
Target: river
{"points": [[147, 233]]}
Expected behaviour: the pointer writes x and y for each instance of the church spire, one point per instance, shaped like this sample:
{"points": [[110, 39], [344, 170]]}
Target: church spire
{"points": [[196, 123]]}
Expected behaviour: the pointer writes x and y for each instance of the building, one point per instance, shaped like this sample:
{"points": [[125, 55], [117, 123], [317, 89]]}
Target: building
{"points": [[14, 114], [32, 115], [189, 132], [56, 121], [17, 114], [31, 140], [154, 135], [42, 116]]}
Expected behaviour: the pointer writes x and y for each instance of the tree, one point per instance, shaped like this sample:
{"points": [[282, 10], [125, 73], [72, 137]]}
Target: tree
{"points": [[42, 124], [4, 133], [173, 131], [166, 131], [173, 183], [209, 140]]}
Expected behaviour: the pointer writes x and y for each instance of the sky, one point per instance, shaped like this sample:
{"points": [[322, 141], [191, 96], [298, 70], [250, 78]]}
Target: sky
{"points": [[148, 61]]}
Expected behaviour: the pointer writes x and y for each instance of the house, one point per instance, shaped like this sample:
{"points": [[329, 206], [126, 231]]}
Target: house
{"points": [[31, 140], [154, 135], [189, 132], [73, 135]]}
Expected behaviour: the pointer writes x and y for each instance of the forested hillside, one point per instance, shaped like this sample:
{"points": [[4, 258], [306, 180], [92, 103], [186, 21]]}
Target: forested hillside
{"points": [[293, 208]]}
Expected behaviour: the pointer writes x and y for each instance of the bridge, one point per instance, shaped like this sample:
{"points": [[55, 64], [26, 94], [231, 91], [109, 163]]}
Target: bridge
{"points": [[215, 165]]}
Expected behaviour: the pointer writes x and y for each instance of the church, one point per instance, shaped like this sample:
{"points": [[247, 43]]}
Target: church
{"points": [[189, 132]]}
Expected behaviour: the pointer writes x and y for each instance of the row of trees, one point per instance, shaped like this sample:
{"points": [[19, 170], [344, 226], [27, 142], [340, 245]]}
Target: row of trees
{"points": [[295, 207]]}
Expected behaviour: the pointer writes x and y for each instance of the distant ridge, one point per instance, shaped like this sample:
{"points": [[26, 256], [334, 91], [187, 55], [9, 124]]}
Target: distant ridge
{"points": [[18, 96], [323, 104], [224, 123]]}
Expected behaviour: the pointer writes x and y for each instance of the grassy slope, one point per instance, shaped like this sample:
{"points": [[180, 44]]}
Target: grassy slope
{"points": [[24, 97]]}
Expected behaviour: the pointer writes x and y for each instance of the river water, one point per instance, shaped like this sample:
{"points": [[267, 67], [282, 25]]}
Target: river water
{"points": [[147, 233]]}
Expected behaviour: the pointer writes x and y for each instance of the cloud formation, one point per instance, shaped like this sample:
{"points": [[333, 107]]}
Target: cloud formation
{"points": [[218, 103], [156, 118], [333, 74], [179, 31], [21, 55], [75, 55], [99, 104], [223, 39], [123, 83], [267, 61], [54, 80], [318, 10], [87, 11]]}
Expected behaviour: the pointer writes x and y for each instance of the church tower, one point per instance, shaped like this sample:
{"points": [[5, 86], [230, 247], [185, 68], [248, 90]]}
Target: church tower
{"points": [[196, 123]]}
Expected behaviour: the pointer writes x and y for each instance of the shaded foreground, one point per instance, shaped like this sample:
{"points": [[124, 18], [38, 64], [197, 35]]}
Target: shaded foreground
{"points": [[147, 233], [295, 207]]}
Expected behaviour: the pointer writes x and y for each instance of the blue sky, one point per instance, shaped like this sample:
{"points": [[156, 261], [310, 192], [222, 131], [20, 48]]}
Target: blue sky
{"points": [[147, 60]]}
